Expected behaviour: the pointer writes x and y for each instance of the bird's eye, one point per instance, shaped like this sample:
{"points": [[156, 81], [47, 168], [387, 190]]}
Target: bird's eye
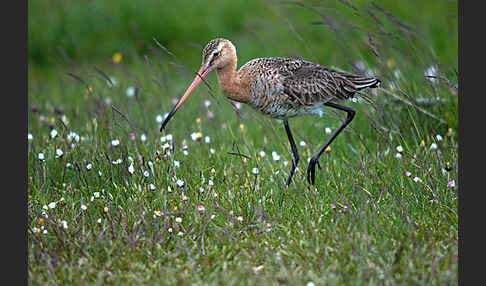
{"points": [[215, 54]]}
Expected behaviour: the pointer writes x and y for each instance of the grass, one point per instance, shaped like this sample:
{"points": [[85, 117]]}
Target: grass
{"points": [[373, 218]]}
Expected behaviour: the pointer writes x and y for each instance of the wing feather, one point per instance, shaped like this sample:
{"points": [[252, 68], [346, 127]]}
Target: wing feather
{"points": [[307, 82]]}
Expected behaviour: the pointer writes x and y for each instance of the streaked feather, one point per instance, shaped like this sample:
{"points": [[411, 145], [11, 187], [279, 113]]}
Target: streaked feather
{"points": [[308, 83]]}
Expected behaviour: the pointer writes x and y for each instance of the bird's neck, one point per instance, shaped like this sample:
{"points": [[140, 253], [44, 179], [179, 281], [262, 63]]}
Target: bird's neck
{"points": [[230, 82]]}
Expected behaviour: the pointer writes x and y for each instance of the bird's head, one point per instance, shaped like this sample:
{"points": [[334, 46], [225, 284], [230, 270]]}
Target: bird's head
{"points": [[216, 55]]}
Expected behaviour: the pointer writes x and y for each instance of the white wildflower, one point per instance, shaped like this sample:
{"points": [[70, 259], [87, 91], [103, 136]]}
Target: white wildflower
{"points": [[275, 156], [131, 169], [115, 142], [255, 171], [130, 91], [73, 136], [195, 135], [53, 133], [59, 153]]}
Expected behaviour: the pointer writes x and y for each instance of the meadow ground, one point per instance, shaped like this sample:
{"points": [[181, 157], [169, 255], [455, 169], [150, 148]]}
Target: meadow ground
{"points": [[111, 200]]}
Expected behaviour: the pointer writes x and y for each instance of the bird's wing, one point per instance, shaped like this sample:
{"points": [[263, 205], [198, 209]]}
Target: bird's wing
{"points": [[306, 83], [310, 82]]}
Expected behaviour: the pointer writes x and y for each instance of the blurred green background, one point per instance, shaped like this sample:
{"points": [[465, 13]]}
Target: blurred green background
{"points": [[67, 32]]}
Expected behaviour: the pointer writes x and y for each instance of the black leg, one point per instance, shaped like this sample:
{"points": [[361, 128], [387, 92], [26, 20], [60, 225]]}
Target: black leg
{"points": [[311, 169], [295, 161]]}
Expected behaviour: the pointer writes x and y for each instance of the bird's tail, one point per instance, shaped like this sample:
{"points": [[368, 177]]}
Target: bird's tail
{"points": [[354, 83], [360, 82]]}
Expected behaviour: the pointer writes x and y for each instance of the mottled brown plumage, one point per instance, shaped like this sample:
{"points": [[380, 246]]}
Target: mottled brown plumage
{"points": [[284, 88], [280, 88]]}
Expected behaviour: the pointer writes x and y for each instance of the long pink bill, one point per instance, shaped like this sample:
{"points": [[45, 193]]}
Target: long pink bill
{"points": [[202, 73]]}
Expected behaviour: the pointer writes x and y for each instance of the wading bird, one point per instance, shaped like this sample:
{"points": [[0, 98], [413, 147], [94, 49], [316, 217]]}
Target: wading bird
{"points": [[280, 88]]}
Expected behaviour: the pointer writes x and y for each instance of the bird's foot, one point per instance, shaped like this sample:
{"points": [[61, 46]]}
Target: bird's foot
{"points": [[311, 170]]}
